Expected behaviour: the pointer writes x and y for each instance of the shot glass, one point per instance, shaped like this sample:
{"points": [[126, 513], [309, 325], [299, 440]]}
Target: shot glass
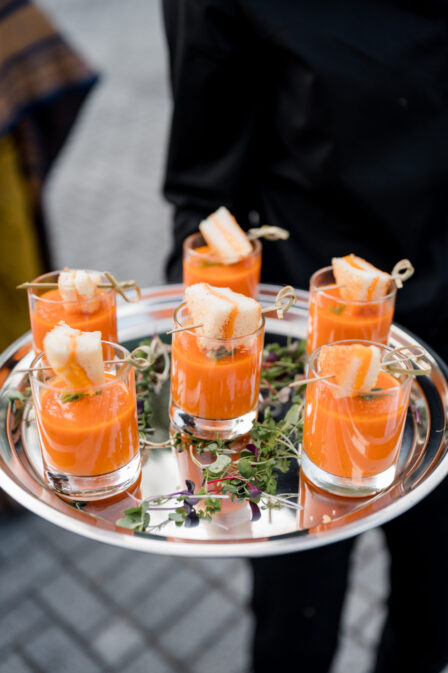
{"points": [[331, 318], [89, 437], [351, 440], [214, 382], [200, 266], [47, 309]]}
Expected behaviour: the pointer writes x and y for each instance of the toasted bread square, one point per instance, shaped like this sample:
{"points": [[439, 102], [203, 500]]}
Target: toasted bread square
{"points": [[222, 312], [225, 237], [359, 280]]}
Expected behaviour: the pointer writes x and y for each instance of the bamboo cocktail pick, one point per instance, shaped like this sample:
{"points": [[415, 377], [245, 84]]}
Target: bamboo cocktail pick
{"points": [[113, 284], [269, 233], [401, 272], [283, 302], [389, 367]]}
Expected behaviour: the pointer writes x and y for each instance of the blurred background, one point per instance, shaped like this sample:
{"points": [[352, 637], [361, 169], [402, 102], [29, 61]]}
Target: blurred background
{"points": [[68, 604]]}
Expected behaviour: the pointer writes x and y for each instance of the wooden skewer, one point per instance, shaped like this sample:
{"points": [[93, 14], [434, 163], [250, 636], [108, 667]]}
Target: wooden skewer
{"points": [[47, 369], [268, 232], [333, 286], [185, 327], [113, 284], [302, 382]]}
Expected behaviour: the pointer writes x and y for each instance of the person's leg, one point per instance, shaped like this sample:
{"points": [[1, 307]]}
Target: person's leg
{"points": [[297, 601], [415, 638]]}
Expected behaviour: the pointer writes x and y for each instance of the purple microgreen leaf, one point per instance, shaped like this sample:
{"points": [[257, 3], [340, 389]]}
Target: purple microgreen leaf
{"points": [[254, 492], [272, 357], [140, 406], [190, 485], [192, 519], [256, 514], [253, 449]]}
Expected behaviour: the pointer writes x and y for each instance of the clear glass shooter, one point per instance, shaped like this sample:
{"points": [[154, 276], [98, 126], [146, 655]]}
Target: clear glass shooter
{"points": [[214, 382], [89, 437], [200, 266], [47, 309], [331, 318], [351, 442]]}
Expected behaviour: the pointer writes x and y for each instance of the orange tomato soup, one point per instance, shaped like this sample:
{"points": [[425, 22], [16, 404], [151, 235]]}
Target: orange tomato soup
{"points": [[356, 436], [215, 388], [90, 436], [199, 266], [46, 314], [333, 319]]}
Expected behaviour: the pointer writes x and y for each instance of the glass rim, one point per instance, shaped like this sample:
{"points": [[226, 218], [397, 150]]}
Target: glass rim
{"points": [[120, 375], [227, 340], [356, 302], [377, 393], [256, 249], [42, 277]]}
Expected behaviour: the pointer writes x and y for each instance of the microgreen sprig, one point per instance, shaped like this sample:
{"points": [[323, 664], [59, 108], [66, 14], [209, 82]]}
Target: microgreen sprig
{"points": [[281, 366], [181, 506]]}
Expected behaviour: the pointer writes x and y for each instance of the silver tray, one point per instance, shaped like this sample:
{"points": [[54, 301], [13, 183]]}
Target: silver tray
{"points": [[324, 519]]}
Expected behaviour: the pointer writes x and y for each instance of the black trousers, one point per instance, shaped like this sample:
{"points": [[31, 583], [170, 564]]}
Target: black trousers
{"points": [[298, 598]]}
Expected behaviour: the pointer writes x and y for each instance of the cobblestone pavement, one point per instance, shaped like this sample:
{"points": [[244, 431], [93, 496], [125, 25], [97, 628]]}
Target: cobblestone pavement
{"points": [[70, 605]]}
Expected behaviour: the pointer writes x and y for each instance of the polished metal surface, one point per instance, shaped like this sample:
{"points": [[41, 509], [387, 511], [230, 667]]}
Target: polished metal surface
{"points": [[324, 519]]}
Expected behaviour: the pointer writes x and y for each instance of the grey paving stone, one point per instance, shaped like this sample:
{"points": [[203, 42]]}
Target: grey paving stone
{"points": [[371, 628], [240, 583], [117, 641], [373, 575], [137, 575], [74, 604], [219, 568], [55, 652], [13, 534], [99, 560], [356, 609], [169, 599], [31, 568], [14, 664], [149, 662], [369, 544], [200, 626], [64, 540], [231, 652], [352, 658], [18, 621]]}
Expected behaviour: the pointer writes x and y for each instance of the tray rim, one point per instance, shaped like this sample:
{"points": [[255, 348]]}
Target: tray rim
{"points": [[78, 522]]}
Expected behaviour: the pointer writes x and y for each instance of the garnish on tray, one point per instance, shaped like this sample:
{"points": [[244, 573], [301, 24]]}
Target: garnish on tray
{"points": [[281, 366]]}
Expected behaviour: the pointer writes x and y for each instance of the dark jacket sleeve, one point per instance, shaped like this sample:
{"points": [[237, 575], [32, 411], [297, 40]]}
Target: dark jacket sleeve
{"points": [[213, 111]]}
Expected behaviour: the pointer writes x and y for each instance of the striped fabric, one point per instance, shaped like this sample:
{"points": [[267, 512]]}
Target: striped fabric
{"points": [[43, 82]]}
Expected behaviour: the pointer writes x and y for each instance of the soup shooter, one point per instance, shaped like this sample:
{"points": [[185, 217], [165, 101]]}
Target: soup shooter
{"points": [[221, 254], [75, 299], [86, 414], [355, 411], [216, 365], [351, 299]]}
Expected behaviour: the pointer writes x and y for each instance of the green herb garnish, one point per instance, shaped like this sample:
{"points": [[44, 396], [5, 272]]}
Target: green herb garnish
{"points": [[206, 262], [74, 397], [219, 353], [368, 397], [71, 397], [340, 308], [281, 366]]}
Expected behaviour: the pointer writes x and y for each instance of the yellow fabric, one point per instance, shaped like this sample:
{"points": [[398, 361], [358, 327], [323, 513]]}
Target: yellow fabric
{"points": [[19, 251]]}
